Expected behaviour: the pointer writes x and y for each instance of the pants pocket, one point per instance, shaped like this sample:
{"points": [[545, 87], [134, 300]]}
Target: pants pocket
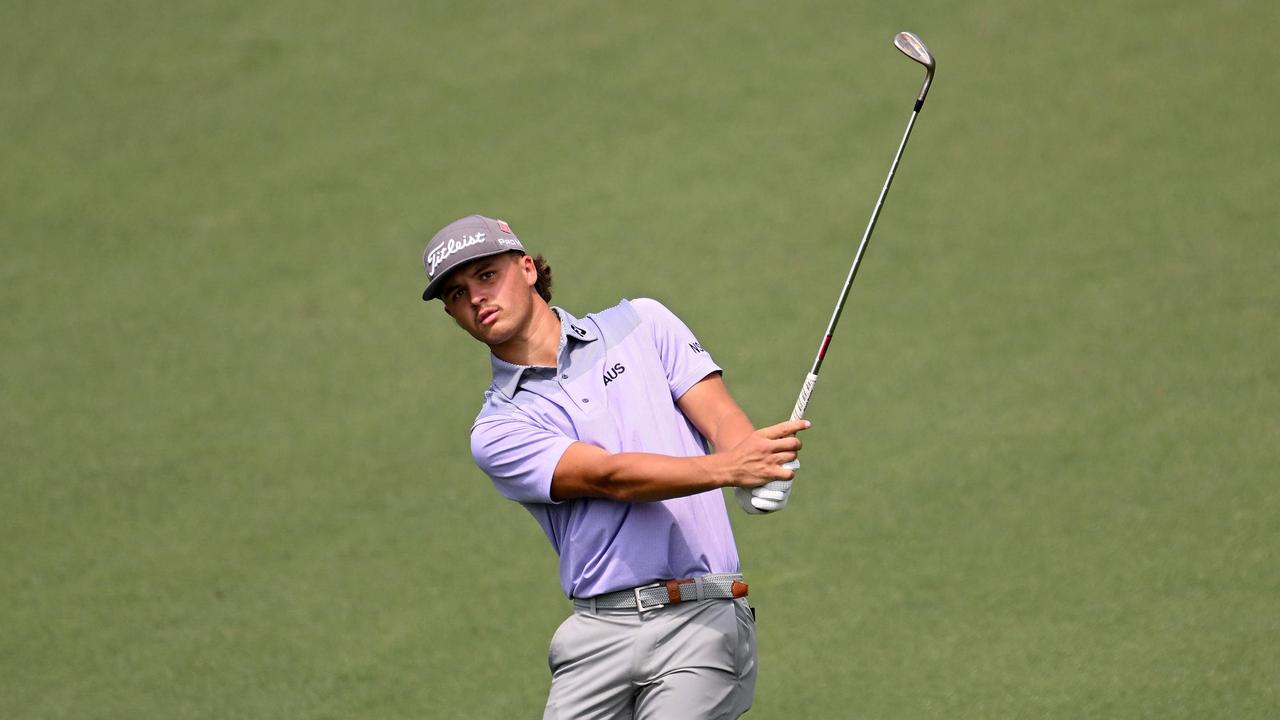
{"points": [[555, 651], [745, 653]]}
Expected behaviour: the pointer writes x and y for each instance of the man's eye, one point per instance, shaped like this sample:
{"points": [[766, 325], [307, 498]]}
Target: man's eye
{"points": [[487, 275]]}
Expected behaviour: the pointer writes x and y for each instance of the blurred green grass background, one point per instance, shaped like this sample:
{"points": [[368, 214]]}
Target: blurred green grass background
{"points": [[1042, 480]]}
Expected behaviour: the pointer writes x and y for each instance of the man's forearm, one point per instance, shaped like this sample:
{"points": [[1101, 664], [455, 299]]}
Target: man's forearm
{"points": [[643, 477], [732, 428], [589, 471]]}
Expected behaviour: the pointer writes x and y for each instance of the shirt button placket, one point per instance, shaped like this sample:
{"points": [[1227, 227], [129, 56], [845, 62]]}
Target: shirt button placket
{"points": [[579, 390]]}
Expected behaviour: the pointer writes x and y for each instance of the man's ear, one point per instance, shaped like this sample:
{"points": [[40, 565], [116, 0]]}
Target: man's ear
{"points": [[530, 270], [446, 309]]}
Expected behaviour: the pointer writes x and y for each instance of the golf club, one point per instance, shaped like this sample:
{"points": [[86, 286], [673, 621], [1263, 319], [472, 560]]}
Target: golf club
{"points": [[912, 47]]}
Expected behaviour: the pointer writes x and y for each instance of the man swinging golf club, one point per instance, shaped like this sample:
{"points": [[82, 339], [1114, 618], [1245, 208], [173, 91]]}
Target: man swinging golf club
{"points": [[599, 426]]}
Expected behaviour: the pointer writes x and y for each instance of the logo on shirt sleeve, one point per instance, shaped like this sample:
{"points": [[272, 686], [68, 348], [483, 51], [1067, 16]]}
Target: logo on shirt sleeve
{"points": [[696, 347], [612, 373]]}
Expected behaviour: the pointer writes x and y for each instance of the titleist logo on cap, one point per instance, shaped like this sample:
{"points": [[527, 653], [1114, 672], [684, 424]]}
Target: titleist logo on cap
{"points": [[442, 251]]}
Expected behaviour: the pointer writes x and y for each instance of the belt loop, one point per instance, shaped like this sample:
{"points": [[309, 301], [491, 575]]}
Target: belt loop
{"points": [[697, 584], [593, 605]]}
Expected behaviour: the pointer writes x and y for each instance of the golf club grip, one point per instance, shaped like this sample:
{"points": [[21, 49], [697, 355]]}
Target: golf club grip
{"points": [[797, 413], [802, 402]]}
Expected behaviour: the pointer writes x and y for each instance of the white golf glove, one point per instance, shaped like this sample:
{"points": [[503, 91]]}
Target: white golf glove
{"points": [[768, 498]]}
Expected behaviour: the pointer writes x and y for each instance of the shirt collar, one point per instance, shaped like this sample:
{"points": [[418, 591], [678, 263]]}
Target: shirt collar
{"points": [[507, 376]]}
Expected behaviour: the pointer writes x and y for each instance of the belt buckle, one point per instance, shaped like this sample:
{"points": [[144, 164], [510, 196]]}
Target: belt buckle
{"points": [[640, 606]]}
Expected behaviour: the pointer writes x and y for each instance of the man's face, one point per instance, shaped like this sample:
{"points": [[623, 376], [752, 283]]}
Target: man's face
{"points": [[491, 297]]}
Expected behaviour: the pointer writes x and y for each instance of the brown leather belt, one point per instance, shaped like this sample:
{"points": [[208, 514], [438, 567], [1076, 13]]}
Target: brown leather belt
{"points": [[721, 586]]}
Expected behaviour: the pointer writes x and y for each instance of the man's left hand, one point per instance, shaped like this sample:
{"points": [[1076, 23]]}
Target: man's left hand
{"points": [[768, 498]]}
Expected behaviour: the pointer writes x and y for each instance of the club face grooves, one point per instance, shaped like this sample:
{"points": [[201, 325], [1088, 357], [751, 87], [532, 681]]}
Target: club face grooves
{"points": [[912, 47]]}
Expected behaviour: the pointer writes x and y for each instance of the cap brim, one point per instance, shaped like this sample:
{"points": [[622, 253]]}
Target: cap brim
{"points": [[433, 288]]}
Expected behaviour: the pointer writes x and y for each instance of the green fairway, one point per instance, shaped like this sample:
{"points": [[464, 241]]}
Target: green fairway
{"points": [[1042, 480]]}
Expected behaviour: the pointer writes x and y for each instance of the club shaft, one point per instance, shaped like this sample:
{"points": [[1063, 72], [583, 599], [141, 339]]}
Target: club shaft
{"points": [[803, 400]]}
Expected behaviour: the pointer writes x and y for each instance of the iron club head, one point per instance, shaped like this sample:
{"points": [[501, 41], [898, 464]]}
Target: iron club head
{"points": [[914, 48]]}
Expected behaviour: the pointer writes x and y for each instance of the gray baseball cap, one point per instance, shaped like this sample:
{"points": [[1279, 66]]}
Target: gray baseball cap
{"points": [[474, 236]]}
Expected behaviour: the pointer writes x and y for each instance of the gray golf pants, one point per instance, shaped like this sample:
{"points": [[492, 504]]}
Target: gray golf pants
{"points": [[691, 660]]}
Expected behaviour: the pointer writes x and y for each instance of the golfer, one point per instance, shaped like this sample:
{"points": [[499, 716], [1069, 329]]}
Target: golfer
{"points": [[599, 426]]}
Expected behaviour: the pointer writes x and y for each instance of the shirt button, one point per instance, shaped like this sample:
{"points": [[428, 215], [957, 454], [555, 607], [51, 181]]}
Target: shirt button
{"points": [[585, 400], [564, 377]]}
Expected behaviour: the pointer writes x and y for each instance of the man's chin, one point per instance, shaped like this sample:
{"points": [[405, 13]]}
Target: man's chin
{"points": [[491, 335]]}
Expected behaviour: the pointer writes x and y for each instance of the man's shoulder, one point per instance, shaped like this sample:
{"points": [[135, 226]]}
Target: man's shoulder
{"points": [[525, 407], [495, 406], [655, 313], [618, 321], [648, 308]]}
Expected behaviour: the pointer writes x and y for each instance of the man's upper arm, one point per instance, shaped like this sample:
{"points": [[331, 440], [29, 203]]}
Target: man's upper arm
{"points": [[683, 358], [578, 472], [715, 413], [518, 456], [694, 378]]}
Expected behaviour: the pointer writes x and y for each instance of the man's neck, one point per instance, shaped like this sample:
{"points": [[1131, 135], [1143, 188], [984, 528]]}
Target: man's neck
{"points": [[537, 343]]}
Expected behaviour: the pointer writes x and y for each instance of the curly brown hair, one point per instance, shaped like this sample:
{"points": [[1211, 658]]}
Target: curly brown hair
{"points": [[543, 283]]}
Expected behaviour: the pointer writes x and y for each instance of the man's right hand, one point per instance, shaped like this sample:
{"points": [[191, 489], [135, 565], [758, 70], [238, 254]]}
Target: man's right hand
{"points": [[759, 457]]}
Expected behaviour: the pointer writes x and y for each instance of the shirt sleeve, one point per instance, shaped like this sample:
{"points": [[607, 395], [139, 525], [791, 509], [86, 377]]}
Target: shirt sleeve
{"points": [[518, 456], [683, 358]]}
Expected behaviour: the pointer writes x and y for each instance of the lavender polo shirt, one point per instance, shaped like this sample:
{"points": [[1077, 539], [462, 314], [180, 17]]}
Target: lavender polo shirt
{"points": [[618, 376]]}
